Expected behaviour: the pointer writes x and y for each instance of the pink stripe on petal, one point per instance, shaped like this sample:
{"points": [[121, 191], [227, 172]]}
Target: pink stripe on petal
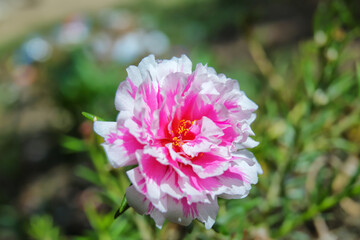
{"points": [[210, 165], [152, 169], [130, 143], [111, 138], [207, 184], [148, 94], [189, 209], [133, 88], [236, 174]]}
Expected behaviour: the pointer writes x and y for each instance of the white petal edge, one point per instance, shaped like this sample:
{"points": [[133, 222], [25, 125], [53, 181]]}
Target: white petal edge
{"points": [[103, 128]]}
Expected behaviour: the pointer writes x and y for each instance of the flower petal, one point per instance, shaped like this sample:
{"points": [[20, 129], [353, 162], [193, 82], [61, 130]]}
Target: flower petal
{"points": [[208, 136], [104, 128], [120, 147], [137, 200], [125, 96], [209, 165]]}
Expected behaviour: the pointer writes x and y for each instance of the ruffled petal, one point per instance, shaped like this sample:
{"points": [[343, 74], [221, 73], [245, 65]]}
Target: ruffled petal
{"points": [[209, 165], [148, 188], [137, 200], [183, 213], [241, 175], [120, 147], [104, 128], [125, 96], [208, 136]]}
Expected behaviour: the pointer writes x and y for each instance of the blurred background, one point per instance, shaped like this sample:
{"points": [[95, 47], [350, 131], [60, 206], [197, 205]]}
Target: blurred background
{"points": [[298, 60]]}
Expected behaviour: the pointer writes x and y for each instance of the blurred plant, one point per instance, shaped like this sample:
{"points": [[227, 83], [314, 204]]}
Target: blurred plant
{"points": [[111, 186], [307, 120], [42, 228]]}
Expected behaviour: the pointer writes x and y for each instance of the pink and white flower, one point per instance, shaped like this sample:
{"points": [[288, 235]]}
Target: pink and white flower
{"points": [[187, 132]]}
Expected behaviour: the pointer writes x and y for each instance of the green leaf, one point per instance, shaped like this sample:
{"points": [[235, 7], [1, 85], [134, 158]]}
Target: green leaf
{"points": [[92, 117], [88, 175], [123, 207], [42, 227], [339, 87], [73, 144], [358, 76]]}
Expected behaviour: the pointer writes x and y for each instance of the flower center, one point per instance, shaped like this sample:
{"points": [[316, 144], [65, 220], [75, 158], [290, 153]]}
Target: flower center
{"points": [[181, 134]]}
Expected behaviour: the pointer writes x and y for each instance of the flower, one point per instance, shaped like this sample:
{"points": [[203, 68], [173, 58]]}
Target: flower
{"points": [[187, 132]]}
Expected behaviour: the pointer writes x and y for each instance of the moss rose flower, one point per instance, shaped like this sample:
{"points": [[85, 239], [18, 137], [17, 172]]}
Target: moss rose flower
{"points": [[187, 132]]}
